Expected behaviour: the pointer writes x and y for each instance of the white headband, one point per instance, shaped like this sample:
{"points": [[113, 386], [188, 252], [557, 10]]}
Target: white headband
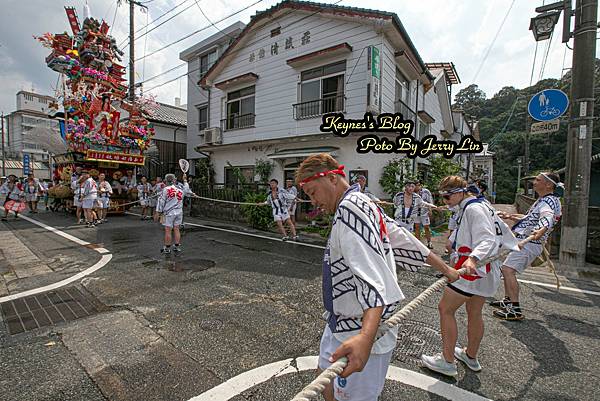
{"points": [[557, 184]]}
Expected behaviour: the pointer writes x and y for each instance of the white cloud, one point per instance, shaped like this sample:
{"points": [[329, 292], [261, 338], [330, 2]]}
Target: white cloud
{"points": [[452, 30]]}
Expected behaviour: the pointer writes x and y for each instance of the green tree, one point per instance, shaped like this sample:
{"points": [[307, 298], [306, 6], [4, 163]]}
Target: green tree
{"points": [[395, 172], [471, 100], [205, 172], [440, 167], [263, 168]]}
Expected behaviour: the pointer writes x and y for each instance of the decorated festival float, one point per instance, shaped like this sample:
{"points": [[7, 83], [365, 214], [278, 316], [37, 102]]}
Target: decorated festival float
{"points": [[104, 132]]}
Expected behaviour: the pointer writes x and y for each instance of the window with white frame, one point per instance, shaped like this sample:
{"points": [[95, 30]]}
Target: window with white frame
{"points": [[240, 109], [202, 117], [321, 90], [206, 61]]}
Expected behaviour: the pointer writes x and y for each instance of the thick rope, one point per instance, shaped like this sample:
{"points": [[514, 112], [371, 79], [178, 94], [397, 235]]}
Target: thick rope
{"points": [[239, 203], [317, 386], [551, 266]]}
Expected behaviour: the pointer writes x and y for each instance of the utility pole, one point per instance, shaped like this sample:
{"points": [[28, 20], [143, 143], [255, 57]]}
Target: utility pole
{"points": [[528, 122], [573, 239], [519, 160], [3, 154], [132, 4]]}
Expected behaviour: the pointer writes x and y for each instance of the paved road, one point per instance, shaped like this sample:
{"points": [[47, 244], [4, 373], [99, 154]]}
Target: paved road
{"points": [[173, 329]]}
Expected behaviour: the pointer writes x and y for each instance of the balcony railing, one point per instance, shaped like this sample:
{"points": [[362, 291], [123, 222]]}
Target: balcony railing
{"points": [[234, 121], [315, 108], [405, 110]]}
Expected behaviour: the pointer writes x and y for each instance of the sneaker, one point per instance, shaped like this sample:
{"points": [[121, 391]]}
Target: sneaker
{"points": [[295, 238], [437, 363], [429, 245], [286, 238], [165, 250], [461, 355], [176, 248], [500, 304], [4, 219], [509, 313], [80, 221]]}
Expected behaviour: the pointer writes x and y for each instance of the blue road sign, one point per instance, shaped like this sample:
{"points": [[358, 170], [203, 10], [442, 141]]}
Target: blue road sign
{"points": [[548, 104], [26, 165]]}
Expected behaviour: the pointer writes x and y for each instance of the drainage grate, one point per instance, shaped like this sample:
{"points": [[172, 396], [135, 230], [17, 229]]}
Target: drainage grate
{"points": [[414, 339], [47, 309]]}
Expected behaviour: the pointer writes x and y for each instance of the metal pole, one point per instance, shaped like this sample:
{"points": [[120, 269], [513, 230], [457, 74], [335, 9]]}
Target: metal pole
{"points": [[3, 154], [131, 52], [518, 178], [528, 122], [573, 239]]}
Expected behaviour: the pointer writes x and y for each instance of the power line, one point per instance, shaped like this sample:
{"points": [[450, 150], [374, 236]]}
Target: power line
{"points": [[489, 49], [199, 30], [164, 73], [248, 44], [534, 60], [545, 59], [208, 19], [126, 41]]}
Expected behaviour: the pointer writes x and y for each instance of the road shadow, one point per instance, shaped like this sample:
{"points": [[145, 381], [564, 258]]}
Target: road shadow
{"points": [[573, 326], [549, 352], [564, 299]]}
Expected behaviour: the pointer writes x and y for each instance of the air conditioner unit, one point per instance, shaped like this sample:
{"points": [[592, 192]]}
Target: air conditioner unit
{"points": [[212, 136]]}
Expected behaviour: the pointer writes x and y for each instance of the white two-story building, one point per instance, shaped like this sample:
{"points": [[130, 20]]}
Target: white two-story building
{"points": [[262, 92]]}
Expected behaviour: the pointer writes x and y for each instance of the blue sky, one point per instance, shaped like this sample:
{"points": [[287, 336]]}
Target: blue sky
{"points": [[460, 31]]}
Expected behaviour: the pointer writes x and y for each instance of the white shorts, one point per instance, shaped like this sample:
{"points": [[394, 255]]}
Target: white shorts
{"points": [[281, 216], [519, 260], [174, 220], [88, 203], [76, 202], [360, 386], [423, 220], [31, 197], [104, 202], [144, 202]]}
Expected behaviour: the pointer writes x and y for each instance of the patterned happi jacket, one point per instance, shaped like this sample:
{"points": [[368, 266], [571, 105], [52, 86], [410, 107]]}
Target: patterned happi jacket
{"points": [[359, 267]]}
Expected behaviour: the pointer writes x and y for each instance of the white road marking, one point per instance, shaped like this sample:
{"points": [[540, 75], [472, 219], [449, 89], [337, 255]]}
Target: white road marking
{"points": [[242, 382], [322, 247], [104, 259], [561, 287], [98, 265]]}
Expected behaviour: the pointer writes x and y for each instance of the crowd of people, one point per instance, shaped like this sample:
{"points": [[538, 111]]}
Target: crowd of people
{"points": [[365, 247], [23, 193]]}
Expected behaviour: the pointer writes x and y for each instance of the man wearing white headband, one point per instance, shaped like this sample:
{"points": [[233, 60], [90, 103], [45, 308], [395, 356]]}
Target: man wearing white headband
{"points": [[539, 222]]}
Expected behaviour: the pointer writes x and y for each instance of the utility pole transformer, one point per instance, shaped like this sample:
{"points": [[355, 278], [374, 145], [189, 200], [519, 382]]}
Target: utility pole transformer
{"points": [[573, 240]]}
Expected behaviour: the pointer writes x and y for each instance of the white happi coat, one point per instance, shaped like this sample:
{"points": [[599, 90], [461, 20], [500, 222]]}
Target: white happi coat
{"points": [[144, 191], [89, 191], [427, 198], [11, 194], [406, 218], [545, 212], [104, 189], [480, 233], [170, 201], [359, 266], [281, 203]]}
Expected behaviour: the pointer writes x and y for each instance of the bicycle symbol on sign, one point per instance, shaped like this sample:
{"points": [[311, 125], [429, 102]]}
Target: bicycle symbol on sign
{"points": [[550, 111]]}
